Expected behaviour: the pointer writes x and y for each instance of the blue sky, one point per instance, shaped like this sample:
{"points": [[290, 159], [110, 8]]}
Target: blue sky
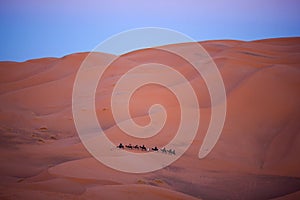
{"points": [[54, 28]]}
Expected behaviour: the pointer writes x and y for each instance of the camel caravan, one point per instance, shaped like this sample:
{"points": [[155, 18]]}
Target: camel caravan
{"points": [[144, 148]]}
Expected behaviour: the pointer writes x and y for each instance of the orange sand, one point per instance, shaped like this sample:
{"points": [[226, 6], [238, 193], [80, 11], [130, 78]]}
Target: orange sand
{"points": [[257, 156]]}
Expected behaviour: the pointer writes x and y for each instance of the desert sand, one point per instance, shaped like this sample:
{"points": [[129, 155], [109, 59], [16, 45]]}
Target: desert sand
{"points": [[256, 157]]}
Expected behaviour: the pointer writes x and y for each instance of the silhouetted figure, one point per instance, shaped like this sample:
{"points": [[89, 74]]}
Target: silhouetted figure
{"points": [[120, 146], [155, 148], [170, 151], [129, 146], [136, 147], [143, 148], [164, 150]]}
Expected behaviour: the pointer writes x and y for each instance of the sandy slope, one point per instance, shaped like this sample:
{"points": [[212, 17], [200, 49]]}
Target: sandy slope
{"points": [[257, 156]]}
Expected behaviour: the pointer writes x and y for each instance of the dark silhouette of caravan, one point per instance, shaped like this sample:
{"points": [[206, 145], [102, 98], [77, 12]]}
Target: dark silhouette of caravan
{"points": [[144, 148]]}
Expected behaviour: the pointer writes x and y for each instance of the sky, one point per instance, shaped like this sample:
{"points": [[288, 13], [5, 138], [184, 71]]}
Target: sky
{"points": [[55, 28]]}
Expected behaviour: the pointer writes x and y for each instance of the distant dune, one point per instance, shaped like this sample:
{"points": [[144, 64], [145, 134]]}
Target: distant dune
{"points": [[256, 157]]}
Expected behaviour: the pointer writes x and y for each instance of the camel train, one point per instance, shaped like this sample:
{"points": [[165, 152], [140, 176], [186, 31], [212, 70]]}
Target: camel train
{"points": [[144, 148]]}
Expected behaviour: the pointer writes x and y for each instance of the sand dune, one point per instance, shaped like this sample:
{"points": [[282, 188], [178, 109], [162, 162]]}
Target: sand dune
{"points": [[256, 157]]}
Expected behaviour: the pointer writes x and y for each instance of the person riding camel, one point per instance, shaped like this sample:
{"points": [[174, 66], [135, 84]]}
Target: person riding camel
{"points": [[120, 146], [143, 148], [164, 150], [155, 148], [129, 146]]}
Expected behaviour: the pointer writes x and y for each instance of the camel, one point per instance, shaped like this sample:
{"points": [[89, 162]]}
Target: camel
{"points": [[129, 146], [143, 148], [155, 148], [120, 146], [170, 151], [163, 150]]}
